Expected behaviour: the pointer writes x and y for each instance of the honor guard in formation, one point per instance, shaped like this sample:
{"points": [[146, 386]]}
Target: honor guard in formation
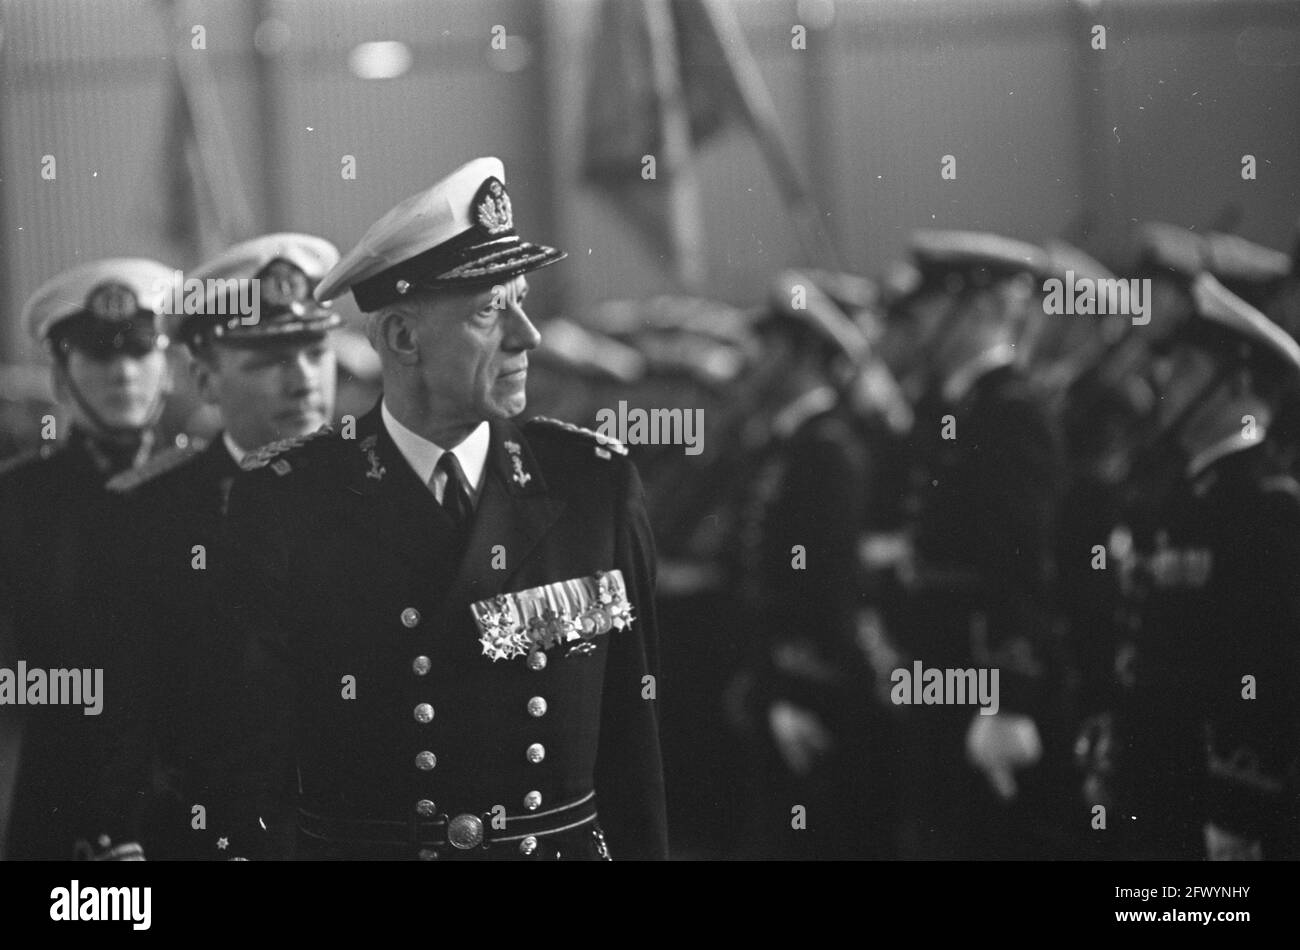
{"points": [[58, 524], [449, 616], [272, 378]]}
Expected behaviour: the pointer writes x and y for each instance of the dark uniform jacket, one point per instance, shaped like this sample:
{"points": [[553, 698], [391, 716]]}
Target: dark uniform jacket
{"points": [[1219, 589], [354, 592], [985, 515], [57, 596], [171, 559], [799, 568], [977, 596]]}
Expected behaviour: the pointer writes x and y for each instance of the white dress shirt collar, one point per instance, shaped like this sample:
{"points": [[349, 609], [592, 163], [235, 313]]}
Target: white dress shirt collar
{"points": [[422, 455]]}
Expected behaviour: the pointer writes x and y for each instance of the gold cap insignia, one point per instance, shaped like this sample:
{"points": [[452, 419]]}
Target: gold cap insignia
{"points": [[112, 301], [492, 208]]}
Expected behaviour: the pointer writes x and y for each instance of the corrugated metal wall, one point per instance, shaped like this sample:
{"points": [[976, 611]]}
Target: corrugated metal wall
{"points": [[1043, 128]]}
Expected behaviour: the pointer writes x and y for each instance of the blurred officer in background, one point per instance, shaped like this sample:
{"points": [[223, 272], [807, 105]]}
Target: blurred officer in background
{"points": [[810, 699], [271, 379], [100, 323], [1206, 706], [453, 645], [974, 585]]}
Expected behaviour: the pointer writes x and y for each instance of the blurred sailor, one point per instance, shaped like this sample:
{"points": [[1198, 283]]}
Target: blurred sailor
{"points": [[1208, 715], [975, 585], [811, 685], [100, 323]]}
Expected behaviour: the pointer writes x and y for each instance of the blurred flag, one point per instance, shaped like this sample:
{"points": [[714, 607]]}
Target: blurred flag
{"points": [[204, 206], [667, 75]]}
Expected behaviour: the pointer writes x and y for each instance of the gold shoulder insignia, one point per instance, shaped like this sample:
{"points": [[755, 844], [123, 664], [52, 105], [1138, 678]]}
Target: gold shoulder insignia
{"points": [[604, 444], [269, 453], [163, 462]]}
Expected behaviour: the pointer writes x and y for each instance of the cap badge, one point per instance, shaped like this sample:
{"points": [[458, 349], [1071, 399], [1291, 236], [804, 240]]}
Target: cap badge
{"points": [[283, 284], [520, 477], [377, 470], [112, 302], [493, 210]]}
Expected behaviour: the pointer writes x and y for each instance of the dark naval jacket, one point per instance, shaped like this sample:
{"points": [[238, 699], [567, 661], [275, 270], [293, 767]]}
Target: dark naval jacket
{"points": [[1206, 679], [58, 591], [377, 720], [176, 505]]}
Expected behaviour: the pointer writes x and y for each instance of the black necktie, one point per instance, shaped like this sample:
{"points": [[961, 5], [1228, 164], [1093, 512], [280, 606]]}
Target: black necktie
{"points": [[455, 496]]}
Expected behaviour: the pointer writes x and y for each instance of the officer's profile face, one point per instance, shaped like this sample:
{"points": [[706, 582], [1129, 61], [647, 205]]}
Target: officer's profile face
{"points": [[123, 390], [269, 391], [472, 351]]}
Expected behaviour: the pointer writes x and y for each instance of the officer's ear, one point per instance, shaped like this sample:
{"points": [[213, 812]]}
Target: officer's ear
{"points": [[393, 335], [59, 382], [204, 372], [167, 384]]}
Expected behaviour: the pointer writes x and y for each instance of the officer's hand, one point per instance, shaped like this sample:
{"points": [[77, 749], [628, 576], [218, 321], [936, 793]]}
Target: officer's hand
{"points": [[1221, 845], [1000, 744], [800, 736], [886, 550]]}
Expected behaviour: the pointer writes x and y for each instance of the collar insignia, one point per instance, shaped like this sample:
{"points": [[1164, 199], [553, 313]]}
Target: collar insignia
{"points": [[520, 477], [377, 470]]}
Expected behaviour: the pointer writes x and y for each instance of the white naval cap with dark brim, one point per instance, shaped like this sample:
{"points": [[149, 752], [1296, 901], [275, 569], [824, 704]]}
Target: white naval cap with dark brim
{"points": [[101, 307], [1249, 336], [458, 234], [287, 266], [951, 261]]}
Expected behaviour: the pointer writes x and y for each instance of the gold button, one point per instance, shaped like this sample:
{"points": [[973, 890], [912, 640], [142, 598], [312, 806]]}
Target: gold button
{"points": [[410, 617], [537, 660], [536, 752], [528, 845], [425, 761], [428, 854], [426, 808], [424, 713], [533, 800], [421, 665], [465, 832], [537, 707]]}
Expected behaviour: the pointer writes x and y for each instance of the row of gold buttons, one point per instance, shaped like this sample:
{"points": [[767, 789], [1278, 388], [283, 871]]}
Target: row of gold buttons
{"points": [[426, 761]]}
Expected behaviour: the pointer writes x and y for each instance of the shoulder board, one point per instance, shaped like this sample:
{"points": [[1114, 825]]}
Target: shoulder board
{"points": [[268, 454], [164, 461], [604, 444], [1282, 484]]}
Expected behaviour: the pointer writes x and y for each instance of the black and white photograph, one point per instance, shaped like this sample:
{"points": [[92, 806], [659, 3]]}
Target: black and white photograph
{"points": [[638, 430]]}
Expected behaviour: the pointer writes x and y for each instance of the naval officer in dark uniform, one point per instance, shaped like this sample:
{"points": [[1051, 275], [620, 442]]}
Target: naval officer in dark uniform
{"points": [[272, 378], [100, 323], [451, 624]]}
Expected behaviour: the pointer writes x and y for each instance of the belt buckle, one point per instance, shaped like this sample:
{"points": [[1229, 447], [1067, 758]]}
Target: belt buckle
{"points": [[465, 832]]}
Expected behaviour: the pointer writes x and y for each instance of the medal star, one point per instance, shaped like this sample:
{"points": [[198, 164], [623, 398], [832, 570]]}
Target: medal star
{"points": [[223, 844]]}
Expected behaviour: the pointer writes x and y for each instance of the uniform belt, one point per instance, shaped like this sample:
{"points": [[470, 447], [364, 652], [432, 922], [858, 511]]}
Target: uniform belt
{"points": [[463, 832]]}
